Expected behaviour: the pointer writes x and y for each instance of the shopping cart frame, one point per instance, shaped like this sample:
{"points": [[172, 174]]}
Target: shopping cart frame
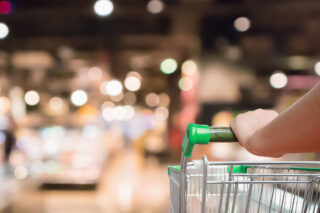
{"points": [[201, 134]]}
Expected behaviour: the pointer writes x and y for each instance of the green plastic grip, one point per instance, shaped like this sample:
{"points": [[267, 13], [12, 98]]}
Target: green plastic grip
{"points": [[222, 134], [203, 134], [195, 134]]}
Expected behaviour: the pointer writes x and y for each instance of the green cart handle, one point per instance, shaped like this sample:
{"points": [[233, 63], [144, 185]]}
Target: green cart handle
{"points": [[203, 134]]}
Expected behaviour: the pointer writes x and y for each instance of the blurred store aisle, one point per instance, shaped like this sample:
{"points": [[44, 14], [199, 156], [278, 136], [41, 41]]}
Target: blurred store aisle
{"points": [[129, 184]]}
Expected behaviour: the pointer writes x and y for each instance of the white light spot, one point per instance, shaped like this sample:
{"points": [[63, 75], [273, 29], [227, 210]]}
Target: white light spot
{"points": [[189, 68], [242, 24], [79, 97], [132, 83], [317, 68], [4, 30], [107, 114], [103, 7], [119, 113], [32, 98], [20, 172], [155, 6], [114, 87], [278, 80]]}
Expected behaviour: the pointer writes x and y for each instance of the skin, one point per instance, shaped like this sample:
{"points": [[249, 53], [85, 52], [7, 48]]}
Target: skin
{"points": [[296, 130]]}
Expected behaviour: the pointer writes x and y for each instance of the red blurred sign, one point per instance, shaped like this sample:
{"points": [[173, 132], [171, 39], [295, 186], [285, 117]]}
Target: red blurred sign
{"points": [[5, 7]]}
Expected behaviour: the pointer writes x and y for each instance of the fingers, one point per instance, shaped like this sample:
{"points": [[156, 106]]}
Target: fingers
{"points": [[246, 125]]}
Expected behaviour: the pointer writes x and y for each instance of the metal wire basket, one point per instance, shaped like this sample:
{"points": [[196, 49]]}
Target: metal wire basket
{"points": [[242, 187]]}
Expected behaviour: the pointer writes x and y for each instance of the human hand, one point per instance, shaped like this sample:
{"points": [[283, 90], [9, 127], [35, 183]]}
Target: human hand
{"points": [[248, 126]]}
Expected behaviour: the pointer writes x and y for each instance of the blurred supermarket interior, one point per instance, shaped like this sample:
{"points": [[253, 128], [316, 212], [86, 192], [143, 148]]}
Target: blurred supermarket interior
{"points": [[95, 96]]}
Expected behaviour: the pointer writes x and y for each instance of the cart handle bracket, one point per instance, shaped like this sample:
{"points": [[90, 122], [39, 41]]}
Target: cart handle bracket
{"points": [[203, 134], [195, 134]]}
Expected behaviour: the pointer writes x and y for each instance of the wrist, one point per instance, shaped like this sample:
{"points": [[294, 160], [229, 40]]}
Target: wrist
{"points": [[257, 145]]}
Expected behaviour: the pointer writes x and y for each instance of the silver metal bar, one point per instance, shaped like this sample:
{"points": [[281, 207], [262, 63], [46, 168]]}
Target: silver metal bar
{"points": [[308, 197], [306, 191], [283, 199], [316, 198], [264, 163], [277, 175], [258, 182], [204, 183], [183, 171], [318, 211], [263, 180], [228, 189], [260, 196], [235, 197], [249, 198], [271, 198], [221, 198]]}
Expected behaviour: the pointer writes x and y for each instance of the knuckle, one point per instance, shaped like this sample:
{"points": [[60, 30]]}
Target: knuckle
{"points": [[259, 110]]}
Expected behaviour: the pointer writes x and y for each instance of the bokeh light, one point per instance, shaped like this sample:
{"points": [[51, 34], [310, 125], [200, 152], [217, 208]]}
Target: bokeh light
{"points": [[107, 104], [168, 66], [107, 113], [278, 80], [161, 113], [155, 6], [114, 87], [79, 97], [32, 98], [91, 131], [103, 7], [164, 99], [3, 137], [130, 98], [317, 68], [129, 112], [5, 7], [103, 88], [5, 105], [132, 83], [242, 24], [95, 73], [185, 83], [117, 98], [152, 99], [56, 104], [4, 30], [119, 113], [189, 68], [20, 172]]}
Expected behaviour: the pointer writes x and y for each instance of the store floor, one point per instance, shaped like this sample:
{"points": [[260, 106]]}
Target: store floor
{"points": [[129, 183]]}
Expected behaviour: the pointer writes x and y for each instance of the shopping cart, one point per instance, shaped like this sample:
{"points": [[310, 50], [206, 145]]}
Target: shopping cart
{"points": [[242, 187]]}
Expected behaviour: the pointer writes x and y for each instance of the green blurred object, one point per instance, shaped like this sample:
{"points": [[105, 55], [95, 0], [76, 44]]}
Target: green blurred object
{"points": [[203, 134], [222, 134], [239, 168], [305, 169], [177, 168], [195, 134]]}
